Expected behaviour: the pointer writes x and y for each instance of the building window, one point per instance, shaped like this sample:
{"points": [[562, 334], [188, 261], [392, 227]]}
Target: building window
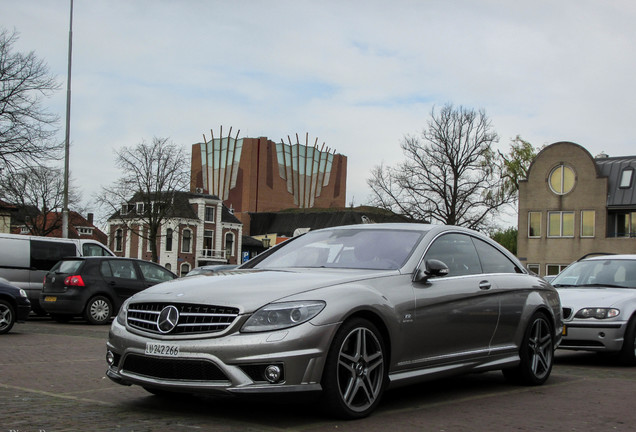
{"points": [[560, 224], [140, 208], [168, 266], [169, 240], [119, 236], [562, 180], [588, 218], [534, 268], [626, 224], [208, 241], [229, 245], [626, 178], [209, 214], [534, 224], [554, 269], [185, 269], [186, 241]]}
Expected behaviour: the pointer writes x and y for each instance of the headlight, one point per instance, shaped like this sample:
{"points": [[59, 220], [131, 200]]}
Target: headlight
{"points": [[23, 293], [598, 313], [276, 316], [121, 316]]}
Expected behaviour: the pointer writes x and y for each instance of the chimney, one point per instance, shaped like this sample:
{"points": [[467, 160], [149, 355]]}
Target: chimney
{"points": [[90, 218]]}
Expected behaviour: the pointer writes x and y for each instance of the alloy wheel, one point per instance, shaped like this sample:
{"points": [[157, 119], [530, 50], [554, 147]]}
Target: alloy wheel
{"points": [[360, 369], [100, 310], [540, 348], [6, 317]]}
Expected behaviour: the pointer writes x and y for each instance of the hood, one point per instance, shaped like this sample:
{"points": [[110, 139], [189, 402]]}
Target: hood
{"points": [[249, 290], [577, 298]]}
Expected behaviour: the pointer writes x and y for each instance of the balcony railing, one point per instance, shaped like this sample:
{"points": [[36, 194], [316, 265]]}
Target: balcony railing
{"points": [[211, 254]]}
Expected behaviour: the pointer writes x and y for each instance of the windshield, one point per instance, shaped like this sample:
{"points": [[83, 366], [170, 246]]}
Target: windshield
{"points": [[598, 273], [346, 248]]}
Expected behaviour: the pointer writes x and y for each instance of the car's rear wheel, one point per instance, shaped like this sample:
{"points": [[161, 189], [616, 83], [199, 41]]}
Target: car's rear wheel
{"points": [[536, 353], [355, 371], [627, 356], [98, 310], [7, 316]]}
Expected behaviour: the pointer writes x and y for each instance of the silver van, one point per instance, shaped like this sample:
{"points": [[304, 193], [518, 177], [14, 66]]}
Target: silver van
{"points": [[25, 260]]}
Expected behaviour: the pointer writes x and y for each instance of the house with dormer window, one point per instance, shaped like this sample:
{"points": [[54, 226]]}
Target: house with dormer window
{"points": [[572, 204], [198, 230]]}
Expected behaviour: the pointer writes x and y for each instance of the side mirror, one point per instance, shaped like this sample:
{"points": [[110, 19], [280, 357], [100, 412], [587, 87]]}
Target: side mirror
{"points": [[434, 268]]}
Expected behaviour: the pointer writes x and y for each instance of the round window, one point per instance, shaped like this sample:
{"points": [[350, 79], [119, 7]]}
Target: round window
{"points": [[562, 179]]}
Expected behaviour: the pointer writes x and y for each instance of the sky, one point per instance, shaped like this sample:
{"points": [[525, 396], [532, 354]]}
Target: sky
{"points": [[358, 75]]}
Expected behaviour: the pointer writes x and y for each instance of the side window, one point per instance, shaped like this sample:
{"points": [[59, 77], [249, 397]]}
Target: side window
{"points": [[493, 261], [457, 252], [92, 249], [154, 273], [123, 269], [45, 254], [105, 269]]}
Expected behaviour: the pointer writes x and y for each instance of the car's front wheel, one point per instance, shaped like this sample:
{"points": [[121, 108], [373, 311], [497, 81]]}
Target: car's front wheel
{"points": [[536, 353], [98, 310], [355, 371], [7, 316]]}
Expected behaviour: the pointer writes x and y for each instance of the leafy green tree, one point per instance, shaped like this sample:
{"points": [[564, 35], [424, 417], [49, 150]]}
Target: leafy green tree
{"points": [[507, 238], [516, 163]]}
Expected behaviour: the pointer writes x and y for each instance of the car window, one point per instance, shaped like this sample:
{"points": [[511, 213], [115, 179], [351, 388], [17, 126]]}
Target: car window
{"points": [[91, 249], [492, 260], [70, 266], [350, 248], [154, 273], [612, 272], [119, 268], [457, 252], [45, 254]]}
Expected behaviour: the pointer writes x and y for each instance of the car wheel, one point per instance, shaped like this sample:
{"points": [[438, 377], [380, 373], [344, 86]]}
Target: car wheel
{"points": [[7, 316], [627, 356], [98, 310], [355, 372], [536, 353]]}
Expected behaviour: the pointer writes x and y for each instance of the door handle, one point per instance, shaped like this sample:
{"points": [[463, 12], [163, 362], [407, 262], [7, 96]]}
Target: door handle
{"points": [[484, 285]]}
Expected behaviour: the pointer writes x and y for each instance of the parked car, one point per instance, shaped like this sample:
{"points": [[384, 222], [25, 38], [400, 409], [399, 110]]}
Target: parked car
{"points": [[348, 311], [599, 305], [211, 269], [14, 306], [24, 259], [95, 287]]}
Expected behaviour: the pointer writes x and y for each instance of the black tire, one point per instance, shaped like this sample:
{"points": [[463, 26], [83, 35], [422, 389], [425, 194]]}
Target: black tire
{"points": [[627, 356], [355, 373], [7, 316], [98, 310], [61, 318], [536, 353]]}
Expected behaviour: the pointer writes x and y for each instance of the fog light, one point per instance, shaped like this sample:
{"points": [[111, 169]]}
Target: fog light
{"points": [[110, 358], [272, 374]]}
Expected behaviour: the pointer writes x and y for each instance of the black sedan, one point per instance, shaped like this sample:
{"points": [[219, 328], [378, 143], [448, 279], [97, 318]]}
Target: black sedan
{"points": [[95, 287], [14, 306]]}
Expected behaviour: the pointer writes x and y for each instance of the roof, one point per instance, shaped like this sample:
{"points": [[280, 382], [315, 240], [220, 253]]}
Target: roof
{"points": [[286, 222], [75, 221], [612, 168]]}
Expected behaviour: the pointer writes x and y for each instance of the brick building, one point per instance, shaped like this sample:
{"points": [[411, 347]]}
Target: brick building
{"points": [[573, 204], [199, 230], [253, 175]]}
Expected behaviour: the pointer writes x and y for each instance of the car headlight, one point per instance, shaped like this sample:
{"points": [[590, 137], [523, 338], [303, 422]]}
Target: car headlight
{"points": [[121, 316], [598, 313], [276, 316], [23, 293]]}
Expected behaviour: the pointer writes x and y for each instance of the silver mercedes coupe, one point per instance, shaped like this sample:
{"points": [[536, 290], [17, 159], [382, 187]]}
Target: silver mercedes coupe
{"points": [[347, 312]]}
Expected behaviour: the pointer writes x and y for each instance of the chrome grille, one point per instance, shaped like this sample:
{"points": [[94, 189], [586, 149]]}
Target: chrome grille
{"points": [[193, 318]]}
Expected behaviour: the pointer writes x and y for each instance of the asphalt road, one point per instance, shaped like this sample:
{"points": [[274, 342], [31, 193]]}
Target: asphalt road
{"points": [[52, 379]]}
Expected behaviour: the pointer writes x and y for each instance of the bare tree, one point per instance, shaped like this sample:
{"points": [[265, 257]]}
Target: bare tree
{"points": [[450, 173], [152, 174], [39, 192], [27, 129]]}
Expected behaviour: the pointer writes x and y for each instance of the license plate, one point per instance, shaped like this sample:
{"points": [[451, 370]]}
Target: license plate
{"points": [[50, 299], [163, 350]]}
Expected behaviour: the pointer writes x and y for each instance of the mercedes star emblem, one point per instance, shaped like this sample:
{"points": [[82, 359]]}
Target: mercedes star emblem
{"points": [[168, 319]]}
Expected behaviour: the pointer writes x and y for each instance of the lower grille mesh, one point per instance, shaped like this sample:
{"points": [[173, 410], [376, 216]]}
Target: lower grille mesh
{"points": [[173, 369]]}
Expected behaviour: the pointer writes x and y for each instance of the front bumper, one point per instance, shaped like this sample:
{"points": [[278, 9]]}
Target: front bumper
{"points": [[230, 364], [23, 310], [586, 335]]}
